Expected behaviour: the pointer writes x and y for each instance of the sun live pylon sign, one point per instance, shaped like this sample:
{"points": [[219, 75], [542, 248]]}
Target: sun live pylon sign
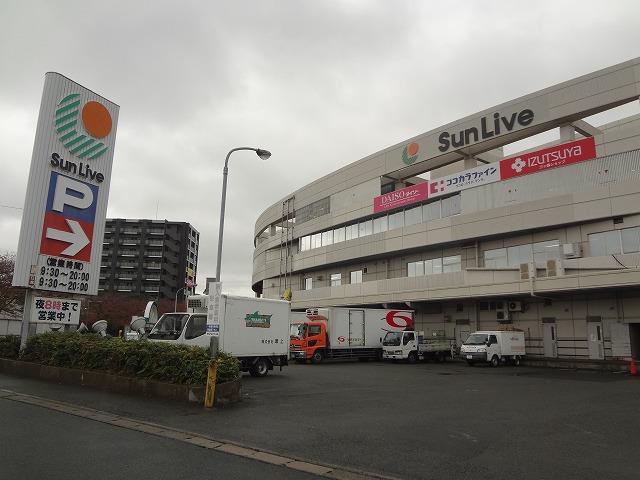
{"points": [[68, 188]]}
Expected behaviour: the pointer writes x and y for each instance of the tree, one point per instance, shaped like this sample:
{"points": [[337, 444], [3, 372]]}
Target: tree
{"points": [[11, 298]]}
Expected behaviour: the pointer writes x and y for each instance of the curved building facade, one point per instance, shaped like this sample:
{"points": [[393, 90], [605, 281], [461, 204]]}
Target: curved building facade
{"points": [[546, 240]]}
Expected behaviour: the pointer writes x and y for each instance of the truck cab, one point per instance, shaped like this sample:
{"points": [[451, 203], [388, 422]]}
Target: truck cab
{"points": [[412, 346], [308, 340]]}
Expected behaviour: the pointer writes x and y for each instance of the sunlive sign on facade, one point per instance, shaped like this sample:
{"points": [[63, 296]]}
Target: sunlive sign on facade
{"points": [[68, 189]]}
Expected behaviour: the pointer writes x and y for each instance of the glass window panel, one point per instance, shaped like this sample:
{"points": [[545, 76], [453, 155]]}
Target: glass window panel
{"points": [[518, 254], [380, 224], [316, 240], [604, 243], [413, 216], [305, 243], [396, 220], [433, 266], [431, 211], [450, 206], [419, 269], [336, 279], [351, 231], [308, 283], [356, 277], [452, 263], [543, 251], [338, 235], [365, 228], [327, 238], [411, 269], [496, 258], [630, 240]]}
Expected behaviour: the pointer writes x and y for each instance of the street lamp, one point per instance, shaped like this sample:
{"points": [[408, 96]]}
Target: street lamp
{"points": [[264, 155]]}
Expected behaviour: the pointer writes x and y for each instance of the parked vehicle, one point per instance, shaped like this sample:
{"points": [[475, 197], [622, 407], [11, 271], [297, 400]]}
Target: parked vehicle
{"points": [[254, 330], [412, 346], [495, 347], [336, 332]]}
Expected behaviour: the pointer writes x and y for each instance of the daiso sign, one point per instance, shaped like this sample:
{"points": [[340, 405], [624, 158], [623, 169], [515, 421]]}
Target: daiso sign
{"points": [[400, 198]]}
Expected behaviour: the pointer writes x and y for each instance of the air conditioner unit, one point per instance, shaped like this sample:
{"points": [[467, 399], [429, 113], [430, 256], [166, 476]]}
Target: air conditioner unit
{"points": [[555, 267], [528, 270], [515, 306], [572, 250]]}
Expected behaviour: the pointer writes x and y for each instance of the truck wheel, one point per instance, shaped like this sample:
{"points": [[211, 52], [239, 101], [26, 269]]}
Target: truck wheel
{"points": [[412, 357], [317, 357], [440, 357], [495, 361], [260, 368], [516, 360]]}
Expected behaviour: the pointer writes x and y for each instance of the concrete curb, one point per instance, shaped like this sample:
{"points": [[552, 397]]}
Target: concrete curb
{"points": [[232, 448]]}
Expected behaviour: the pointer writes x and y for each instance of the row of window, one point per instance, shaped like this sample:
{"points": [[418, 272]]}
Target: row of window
{"points": [[336, 279], [403, 218], [538, 252], [626, 240], [434, 266]]}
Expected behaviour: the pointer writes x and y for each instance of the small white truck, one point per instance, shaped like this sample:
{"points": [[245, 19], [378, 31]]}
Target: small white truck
{"points": [[413, 346], [494, 346], [254, 330]]}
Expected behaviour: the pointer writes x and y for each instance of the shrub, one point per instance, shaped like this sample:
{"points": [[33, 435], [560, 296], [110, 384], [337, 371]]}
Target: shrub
{"points": [[228, 368], [9, 346], [153, 360]]}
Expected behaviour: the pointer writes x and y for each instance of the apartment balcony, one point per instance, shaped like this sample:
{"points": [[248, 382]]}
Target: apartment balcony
{"points": [[152, 266]]}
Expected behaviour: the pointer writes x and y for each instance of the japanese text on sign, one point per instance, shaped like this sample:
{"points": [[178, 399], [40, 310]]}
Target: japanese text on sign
{"points": [[55, 310]]}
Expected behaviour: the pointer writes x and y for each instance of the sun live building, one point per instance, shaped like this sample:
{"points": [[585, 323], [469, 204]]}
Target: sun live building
{"points": [[546, 240]]}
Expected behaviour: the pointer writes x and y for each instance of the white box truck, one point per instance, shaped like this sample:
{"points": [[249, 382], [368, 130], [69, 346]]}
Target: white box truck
{"points": [[336, 332], [413, 346], [254, 330], [494, 346]]}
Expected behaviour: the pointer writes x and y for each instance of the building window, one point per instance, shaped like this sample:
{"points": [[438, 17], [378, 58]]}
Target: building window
{"points": [[316, 240], [431, 211], [336, 279], [415, 269], [630, 240], [433, 266], [305, 243], [605, 243], [380, 224], [338, 235], [308, 283], [365, 228], [351, 232], [452, 264], [356, 277], [518, 254], [543, 251], [496, 258], [450, 206], [396, 220], [327, 238], [413, 216]]}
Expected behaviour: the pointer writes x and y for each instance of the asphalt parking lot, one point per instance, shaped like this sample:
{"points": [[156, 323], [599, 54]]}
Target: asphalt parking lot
{"points": [[419, 421]]}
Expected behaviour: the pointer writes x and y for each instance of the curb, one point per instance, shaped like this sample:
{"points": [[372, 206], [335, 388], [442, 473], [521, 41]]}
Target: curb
{"points": [[203, 441]]}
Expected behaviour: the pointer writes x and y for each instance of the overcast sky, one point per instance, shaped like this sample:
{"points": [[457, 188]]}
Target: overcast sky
{"points": [[318, 83]]}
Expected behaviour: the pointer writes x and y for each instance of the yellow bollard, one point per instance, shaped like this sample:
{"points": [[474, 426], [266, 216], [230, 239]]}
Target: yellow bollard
{"points": [[210, 389]]}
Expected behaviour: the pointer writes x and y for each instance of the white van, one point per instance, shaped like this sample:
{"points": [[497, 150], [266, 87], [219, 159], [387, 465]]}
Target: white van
{"points": [[494, 346]]}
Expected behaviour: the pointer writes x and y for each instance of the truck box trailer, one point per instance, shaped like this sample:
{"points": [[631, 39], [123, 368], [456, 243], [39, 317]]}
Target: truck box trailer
{"points": [[255, 330], [494, 346], [336, 332]]}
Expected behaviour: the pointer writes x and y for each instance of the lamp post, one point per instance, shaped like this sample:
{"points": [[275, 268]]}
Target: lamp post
{"points": [[264, 155]]}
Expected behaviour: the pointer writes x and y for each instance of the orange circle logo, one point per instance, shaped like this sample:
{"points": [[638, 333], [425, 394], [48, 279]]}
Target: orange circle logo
{"points": [[410, 153], [413, 149], [96, 119]]}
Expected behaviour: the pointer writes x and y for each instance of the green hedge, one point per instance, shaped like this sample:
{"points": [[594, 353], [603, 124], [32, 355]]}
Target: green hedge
{"points": [[9, 346], [160, 361]]}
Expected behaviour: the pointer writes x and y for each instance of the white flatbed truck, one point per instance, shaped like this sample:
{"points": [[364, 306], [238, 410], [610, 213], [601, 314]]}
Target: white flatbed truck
{"points": [[412, 346]]}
